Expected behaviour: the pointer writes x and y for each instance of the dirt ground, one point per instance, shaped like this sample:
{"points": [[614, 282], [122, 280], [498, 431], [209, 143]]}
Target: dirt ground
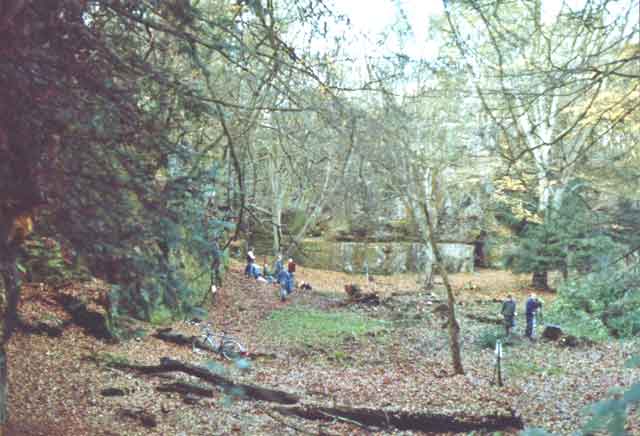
{"points": [[57, 384]]}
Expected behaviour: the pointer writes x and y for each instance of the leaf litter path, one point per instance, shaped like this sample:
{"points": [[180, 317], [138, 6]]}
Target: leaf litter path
{"points": [[55, 383]]}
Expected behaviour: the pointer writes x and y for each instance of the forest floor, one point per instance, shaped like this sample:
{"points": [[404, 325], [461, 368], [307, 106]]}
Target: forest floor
{"points": [[392, 357]]}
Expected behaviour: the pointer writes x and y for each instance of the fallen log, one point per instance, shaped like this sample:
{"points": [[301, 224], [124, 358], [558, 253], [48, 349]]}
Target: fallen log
{"points": [[485, 319], [403, 420], [240, 390], [257, 355], [169, 335], [52, 329], [147, 419], [186, 388], [371, 299]]}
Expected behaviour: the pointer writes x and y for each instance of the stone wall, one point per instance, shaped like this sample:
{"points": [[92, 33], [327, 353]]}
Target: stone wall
{"points": [[381, 258]]}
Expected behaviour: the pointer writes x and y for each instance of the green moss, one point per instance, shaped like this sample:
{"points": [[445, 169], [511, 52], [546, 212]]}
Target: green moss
{"points": [[161, 315], [196, 273], [316, 253]]}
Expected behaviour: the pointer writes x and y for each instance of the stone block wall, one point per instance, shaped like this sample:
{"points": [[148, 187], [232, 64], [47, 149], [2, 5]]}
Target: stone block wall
{"points": [[381, 258]]}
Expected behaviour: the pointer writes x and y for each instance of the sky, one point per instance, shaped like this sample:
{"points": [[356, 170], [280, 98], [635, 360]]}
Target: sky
{"points": [[371, 17], [374, 15]]}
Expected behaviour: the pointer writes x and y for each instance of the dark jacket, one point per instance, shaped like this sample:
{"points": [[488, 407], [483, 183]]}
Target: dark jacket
{"points": [[508, 308], [532, 306], [283, 277]]}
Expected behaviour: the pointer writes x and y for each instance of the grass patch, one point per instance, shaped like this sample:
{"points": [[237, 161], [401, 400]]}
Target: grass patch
{"points": [[525, 368], [309, 326]]}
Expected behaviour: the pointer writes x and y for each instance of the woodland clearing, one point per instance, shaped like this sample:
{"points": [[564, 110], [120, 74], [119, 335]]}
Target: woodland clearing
{"points": [[392, 357]]}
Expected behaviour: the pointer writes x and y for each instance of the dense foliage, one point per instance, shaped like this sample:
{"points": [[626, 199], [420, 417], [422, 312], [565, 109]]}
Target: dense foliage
{"points": [[106, 135]]}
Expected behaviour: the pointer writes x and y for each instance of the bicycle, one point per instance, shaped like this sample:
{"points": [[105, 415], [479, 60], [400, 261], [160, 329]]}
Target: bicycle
{"points": [[220, 343]]}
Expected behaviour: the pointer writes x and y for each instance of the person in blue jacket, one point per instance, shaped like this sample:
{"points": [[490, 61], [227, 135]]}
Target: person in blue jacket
{"points": [[531, 309], [254, 271], [278, 267], [285, 283]]}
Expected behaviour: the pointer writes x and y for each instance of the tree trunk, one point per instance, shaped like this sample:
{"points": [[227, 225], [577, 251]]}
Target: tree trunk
{"points": [[454, 328], [277, 224], [3, 390], [540, 280], [9, 293], [428, 278]]}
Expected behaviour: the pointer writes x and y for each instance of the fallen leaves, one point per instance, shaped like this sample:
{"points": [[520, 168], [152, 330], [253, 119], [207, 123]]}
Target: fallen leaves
{"points": [[56, 389]]}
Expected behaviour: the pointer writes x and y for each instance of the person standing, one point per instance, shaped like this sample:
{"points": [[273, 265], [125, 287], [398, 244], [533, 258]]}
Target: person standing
{"points": [[283, 279], [291, 268], [531, 308], [278, 267], [509, 313], [251, 258], [266, 273]]}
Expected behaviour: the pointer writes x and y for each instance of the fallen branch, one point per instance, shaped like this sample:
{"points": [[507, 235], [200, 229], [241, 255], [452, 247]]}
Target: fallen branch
{"points": [[169, 335], [240, 390], [403, 420], [356, 295]]}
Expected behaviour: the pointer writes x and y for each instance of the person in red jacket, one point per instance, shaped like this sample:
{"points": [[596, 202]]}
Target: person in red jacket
{"points": [[291, 268]]}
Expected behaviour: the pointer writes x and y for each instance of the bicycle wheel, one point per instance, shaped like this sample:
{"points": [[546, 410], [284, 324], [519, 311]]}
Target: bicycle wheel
{"points": [[194, 344], [232, 349]]}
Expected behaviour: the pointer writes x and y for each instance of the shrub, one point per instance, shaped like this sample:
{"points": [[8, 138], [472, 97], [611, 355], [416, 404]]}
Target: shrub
{"points": [[488, 338], [599, 304]]}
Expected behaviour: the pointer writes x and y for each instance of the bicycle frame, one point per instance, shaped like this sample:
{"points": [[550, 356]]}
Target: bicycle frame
{"points": [[217, 341]]}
